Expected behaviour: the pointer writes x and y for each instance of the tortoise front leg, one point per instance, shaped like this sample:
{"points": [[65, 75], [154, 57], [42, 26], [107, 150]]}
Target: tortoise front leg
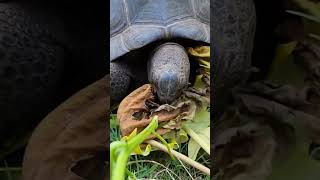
{"points": [[120, 81]]}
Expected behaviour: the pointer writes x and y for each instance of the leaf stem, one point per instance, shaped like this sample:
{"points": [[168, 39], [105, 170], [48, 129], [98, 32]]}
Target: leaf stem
{"points": [[180, 156], [165, 143], [139, 138], [120, 151]]}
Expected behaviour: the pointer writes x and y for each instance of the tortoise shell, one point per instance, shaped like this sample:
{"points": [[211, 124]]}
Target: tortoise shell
{"points": [[136, 23]]}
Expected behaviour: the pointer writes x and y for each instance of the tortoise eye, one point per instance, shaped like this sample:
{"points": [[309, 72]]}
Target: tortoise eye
{"points": [[314, 151]]}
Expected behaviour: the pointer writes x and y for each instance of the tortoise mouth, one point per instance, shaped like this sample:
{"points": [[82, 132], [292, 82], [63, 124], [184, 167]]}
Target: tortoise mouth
{"points": [[167, 98]]}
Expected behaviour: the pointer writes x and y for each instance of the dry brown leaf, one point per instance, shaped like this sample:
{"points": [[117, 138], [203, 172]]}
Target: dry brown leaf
{"points": [[268, 121], [71, 142], [261, 126], [136, 103]]}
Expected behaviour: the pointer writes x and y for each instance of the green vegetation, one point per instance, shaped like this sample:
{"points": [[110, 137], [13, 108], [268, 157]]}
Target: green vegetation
{"points": [[158, 164]]}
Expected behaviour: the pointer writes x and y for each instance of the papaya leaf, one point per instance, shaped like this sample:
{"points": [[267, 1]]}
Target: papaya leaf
{"points": [[182, 136], [199, 130], [179, 137], [200, 121], [194, 147]]}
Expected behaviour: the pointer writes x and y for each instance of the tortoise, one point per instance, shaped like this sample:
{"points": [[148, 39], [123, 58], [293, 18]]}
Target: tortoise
{"points": [[135, 24], [138, 23]]}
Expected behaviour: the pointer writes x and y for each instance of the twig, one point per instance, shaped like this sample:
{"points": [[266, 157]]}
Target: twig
{"points": [[180, 156]]}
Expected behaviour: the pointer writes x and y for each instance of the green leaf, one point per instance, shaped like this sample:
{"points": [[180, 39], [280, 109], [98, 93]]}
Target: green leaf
{"points": [[178, 136], [182, 136], [199, 127], [201, 120], [173, 144], [145, 152], [199, 130], [194, 147], [121, 150], [198, 82], [170, 135]]}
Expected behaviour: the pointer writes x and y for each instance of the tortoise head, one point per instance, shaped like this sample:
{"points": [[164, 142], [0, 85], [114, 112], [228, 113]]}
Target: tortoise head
{"points": [[168, 71], [168, 86]]}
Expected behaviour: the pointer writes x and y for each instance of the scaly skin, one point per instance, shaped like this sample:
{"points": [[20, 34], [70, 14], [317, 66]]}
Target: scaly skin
{"points": [[169, 70], [232, 34], [31, 62]]}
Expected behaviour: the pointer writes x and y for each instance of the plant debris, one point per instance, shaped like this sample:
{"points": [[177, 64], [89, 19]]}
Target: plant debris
{"points": [[271, 124], [262, 125], [135, 104], [71, 143], [136, 110]]}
